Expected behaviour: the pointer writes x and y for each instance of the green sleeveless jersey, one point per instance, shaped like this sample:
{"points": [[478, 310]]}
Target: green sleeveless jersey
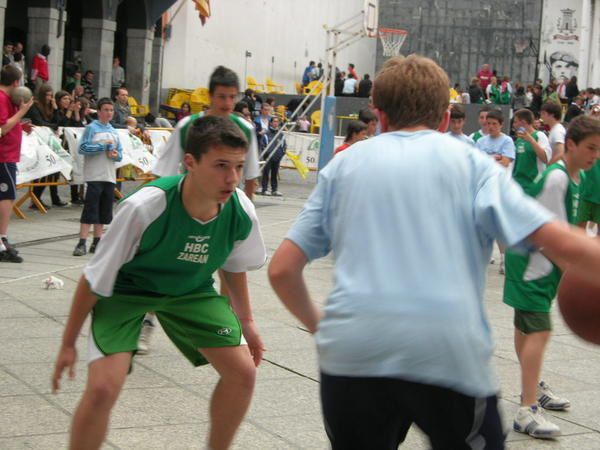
{"points": [[178, 254], [590, 190], [531, 280], [525, 169]]}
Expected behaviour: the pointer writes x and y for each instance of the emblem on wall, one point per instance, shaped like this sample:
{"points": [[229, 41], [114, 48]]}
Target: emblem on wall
{"points": [[567, 26]]}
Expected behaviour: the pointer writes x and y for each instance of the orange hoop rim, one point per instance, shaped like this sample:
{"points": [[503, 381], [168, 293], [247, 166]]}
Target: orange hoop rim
{"points": [[392, 31]]}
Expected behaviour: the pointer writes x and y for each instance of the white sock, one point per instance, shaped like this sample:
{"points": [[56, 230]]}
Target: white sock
{"points": [[2, 247]]}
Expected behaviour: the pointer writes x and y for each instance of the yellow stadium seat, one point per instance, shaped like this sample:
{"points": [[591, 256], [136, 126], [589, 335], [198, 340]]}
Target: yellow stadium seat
{"points": [[252, 84], [179, 98], [199, 100], [137, 110], [316, 85], [315, 121], [299, 88], [273, 88]]}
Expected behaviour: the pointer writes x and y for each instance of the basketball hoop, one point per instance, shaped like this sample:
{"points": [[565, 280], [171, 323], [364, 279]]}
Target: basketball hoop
{"points": [[392, 40]]}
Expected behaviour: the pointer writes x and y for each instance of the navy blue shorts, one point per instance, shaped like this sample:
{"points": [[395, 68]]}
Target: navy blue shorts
{"points": [[8, 180], [98, 204], [376, 413]]}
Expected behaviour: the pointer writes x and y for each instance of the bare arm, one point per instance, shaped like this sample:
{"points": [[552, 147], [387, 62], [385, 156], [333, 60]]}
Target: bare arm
{"points": [[83, 302], [285, 275], [569, 247], [539, 150], [557, 153], [237, 285]]}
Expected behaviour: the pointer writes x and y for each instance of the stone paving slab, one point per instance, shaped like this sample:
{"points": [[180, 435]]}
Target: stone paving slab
{"points": [[164, 404]]}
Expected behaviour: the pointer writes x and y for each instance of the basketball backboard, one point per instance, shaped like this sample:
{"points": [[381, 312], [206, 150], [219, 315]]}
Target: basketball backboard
{"points": [[371, 17]]}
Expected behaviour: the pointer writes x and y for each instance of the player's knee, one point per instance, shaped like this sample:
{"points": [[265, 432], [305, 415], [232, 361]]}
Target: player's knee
{"points": [[244, 377], [103, 393]]}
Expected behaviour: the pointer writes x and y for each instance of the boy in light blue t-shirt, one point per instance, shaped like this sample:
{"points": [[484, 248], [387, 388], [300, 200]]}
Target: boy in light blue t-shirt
{"points": [[403, 337], [497, 144]]}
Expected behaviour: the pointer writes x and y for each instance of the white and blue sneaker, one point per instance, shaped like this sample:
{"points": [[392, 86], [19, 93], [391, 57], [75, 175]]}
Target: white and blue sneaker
{"points": [[549, 400], [531, 421]]}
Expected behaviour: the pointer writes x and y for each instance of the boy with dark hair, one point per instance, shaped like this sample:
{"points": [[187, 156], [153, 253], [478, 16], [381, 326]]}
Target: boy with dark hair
{"points": [[532, 280], [532, 150], [223, 89], [369, 118], [482, 119], [167, 240], [101, 148], [457, 122], [10, 153], [496, 143], [412, 367], [551, 113]]}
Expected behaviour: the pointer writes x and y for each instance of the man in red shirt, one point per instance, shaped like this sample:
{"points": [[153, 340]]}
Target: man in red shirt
{"points": [[485, 76], [39, 67], [10, 153]]}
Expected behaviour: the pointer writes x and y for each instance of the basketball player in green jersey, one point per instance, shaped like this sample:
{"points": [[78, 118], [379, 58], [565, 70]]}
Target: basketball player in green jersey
{"points": [[532, 281], [166, 241]]}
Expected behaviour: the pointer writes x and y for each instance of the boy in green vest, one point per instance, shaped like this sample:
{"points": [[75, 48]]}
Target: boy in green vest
{"points": [[531, 281], [589, 210], [482, 119], [166, 241], [533, 150]]}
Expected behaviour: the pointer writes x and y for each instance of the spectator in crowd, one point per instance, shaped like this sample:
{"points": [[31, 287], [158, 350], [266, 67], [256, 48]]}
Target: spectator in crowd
{"points": [[485, 77], [156, 122], [273, 159], [181, 112], [506, 91], [369, 118], [261, 125], [19, 60], [242, 109], [497, 144], [575, 109], [349, 86], [87, 113], [595, 112], [476, 93], [536, 99], [550, 95], [571, 90], [519, 100], [492, 91], [7, 53], [457, 122], [10, 153], [365, 86], [118, 75], [317, 72], [303, 124], [67, 112], [73, 81], [352, 71], [101, 148], [561, 91], [528, 95], [43, 113], [551, 113], [307, 75], [88, 86], [355, 132], [271, 102], [39, 68], [482, 119], [339, 84], [250, 99], [121, 108]]}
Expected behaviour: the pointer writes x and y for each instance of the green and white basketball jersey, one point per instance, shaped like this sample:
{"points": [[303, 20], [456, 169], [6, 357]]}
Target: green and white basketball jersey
{"points": [[155, 248], [531, 280], [590, 189], [477, 135], [526, 167]]}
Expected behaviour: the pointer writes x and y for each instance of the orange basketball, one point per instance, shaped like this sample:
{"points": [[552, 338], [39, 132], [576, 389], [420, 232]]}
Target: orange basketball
{"points": [[579, 303]]}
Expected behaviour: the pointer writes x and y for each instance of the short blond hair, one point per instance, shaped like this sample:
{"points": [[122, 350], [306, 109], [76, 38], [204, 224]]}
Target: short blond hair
{"points": [[412, 91]]}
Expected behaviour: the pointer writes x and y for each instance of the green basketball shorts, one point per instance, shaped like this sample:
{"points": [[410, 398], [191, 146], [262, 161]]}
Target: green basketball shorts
{"points": [[588, 211], [190, 321], [528, 322]]}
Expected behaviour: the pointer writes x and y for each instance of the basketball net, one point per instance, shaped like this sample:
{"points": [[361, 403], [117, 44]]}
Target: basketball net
{"points": [[392, 40]]}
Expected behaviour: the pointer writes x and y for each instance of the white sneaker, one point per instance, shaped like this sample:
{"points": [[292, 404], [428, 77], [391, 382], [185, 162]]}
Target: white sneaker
{"points": [[276, 194], [549, 400], [492, 260], [531, 421], [145, 336]]}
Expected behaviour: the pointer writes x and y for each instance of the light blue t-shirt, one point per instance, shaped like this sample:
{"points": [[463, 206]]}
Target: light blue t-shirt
{"points": [[411, 218], [461, 137], [501, 145]]}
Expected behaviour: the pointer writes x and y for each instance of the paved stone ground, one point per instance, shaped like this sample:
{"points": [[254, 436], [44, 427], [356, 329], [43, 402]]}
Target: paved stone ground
{"points": [[165, 401]]}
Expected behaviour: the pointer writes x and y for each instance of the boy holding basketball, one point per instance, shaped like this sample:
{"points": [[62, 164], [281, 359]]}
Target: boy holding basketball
{"points": [[532, 280]]}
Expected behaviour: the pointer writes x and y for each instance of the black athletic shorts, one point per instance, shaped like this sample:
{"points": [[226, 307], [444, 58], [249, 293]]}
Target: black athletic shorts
{"points": [[376, 414], [8, 180], [98, 205]]}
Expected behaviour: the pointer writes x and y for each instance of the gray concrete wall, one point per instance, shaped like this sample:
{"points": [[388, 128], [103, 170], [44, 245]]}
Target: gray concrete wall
{"points": [[139, 63], [461, 35], [156, 73], [97, 52], [2, 15]]}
